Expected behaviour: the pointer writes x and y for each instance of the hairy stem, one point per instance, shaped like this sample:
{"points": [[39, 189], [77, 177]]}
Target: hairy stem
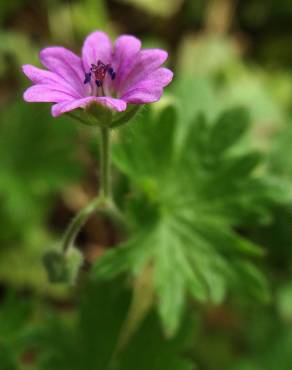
{"points": [[105, 188], [78, 222], [103, 203]]}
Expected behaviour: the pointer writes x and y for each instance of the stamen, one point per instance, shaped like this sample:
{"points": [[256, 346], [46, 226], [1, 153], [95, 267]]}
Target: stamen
{"points": [[99, 71], [112, 73], [87, 77]]}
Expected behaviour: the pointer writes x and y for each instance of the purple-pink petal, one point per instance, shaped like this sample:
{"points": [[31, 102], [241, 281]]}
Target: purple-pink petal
{"points": [[41, 76], [65, 64], [147, 61], [126, 49], [150, 89], [46, 93], [97, 46], [111, 103], [37, 75]]}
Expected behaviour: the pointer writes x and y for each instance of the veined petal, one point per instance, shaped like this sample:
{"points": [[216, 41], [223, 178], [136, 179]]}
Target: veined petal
{"points": [[126, 50], [37, 75], [118, 105], [147, 61], [46, 93], [143, 96], [150, 89], [66, 64], [97, 46], [41, 76], [112, 103]]}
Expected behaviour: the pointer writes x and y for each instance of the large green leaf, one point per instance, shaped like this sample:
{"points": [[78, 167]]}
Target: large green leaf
{"points": [[188, 198]]}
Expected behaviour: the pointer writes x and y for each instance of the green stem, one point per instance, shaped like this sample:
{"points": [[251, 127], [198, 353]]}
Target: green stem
{"points": [[102, 203], [105, 188], [78, 221]]}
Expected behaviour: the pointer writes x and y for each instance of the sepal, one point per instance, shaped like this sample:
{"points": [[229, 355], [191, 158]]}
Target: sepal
{"points": [[124, 117], [98, 114], [63, 268]]}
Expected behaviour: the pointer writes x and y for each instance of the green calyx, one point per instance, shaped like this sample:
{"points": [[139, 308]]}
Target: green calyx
{"points": [[125, 117], [99, 115]]}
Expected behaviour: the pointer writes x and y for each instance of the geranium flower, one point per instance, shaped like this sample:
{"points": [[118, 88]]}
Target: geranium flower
{"points": [[110, 75]]}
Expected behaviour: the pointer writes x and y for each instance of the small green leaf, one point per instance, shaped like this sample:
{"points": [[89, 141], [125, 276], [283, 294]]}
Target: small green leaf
{"points": [[169, 284], [253, 281]]}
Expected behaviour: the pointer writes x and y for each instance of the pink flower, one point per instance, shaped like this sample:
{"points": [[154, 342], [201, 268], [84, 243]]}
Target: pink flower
{"points": [[110, 75]]}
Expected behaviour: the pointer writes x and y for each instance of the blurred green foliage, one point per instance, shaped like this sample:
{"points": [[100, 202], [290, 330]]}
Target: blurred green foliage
{"points": [[203, 280], [91, 342], [37, 160]]}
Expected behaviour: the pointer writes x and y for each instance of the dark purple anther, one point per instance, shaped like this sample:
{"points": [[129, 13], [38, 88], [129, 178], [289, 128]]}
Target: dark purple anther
{"points": [[98, 83], [87, 77], [112, 73]]}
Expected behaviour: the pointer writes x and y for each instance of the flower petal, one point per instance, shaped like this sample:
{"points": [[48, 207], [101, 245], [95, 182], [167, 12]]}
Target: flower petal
{"points": [[65, 64], [147, 61], [41, 76], [126, 49], [112, 103], [45, 93], [150, 89], [38, 75], [97, 46]]}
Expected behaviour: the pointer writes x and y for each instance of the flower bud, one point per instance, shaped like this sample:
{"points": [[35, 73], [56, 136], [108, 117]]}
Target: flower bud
{"points": [[61, 268]]}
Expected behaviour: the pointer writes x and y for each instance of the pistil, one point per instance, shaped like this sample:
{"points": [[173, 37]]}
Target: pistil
{"points": [[98, 72]]}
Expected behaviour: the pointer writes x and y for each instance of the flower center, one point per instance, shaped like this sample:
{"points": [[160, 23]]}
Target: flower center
{"points": [[98, 72]]}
